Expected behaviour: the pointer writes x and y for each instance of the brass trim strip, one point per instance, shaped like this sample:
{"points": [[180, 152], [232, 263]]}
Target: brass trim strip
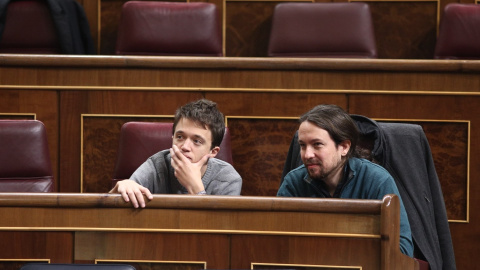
{"points": [[304, 265], [203, 231], [204, 263], [248, 90], [224, 28], [25, 260], [99, 26], [20, 114], [112, 116]]}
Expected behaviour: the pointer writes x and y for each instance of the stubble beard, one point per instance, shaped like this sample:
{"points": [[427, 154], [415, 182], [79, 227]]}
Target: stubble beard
{"points": [[322, 173]]}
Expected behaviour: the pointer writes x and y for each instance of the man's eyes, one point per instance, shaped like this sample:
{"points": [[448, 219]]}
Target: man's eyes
{"points": [[316, 145], [195, 141]]}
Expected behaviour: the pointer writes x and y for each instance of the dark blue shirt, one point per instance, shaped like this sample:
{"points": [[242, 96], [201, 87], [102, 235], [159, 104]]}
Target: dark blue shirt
{"points": [[362, 180]]}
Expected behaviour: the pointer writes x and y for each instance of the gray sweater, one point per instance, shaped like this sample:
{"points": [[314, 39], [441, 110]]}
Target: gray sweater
{"points": [[157, 174]]}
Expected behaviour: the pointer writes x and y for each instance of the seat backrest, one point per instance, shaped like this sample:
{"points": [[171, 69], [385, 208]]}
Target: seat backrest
{"points": [[25, 164], [37, 34], [342, 30], [169, 28], [65, 266], [459, 32], [140, 140]]}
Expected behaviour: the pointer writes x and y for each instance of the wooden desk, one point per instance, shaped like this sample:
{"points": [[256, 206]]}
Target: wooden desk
{"points": [[214, 232], [84, 100]]}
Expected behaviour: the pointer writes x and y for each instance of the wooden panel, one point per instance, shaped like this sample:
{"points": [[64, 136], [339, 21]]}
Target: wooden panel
{"points": [[93, 17], [25, 246], [180, 248], [248, 25], [261, 164], [110, 12], [405, 30], [298, 251]]}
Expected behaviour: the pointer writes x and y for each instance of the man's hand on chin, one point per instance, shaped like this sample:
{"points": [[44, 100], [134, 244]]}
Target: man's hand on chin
{"points": [[188, 173]]}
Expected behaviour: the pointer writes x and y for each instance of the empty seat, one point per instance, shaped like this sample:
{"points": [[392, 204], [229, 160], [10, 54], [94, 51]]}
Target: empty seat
{"points": [[343, 30], [36, 34], [459, 32], [44, 27], [25, 164], [140, 140], [169, 28]]}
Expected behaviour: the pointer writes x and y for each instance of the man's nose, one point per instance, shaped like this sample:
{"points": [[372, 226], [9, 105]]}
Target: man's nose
{"points": [[186, 145], [308, 152]]}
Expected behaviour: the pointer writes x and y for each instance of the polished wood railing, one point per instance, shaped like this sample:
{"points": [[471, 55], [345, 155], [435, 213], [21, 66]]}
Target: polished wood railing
{"points": [[215, 232]]}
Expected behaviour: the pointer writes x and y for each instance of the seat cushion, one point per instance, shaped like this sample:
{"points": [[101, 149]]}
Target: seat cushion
{"points": [[322, 30], [169, 28]]}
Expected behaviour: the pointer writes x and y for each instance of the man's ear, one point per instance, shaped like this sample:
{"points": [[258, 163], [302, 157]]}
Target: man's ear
{"points": [[215, 151], [345, 145]]}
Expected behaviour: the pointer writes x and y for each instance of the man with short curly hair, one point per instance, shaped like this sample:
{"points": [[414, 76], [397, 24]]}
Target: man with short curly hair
{"points": [[190, 166]]}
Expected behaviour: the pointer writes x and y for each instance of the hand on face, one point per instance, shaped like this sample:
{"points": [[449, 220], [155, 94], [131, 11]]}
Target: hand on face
{"points": [[189, 173]]}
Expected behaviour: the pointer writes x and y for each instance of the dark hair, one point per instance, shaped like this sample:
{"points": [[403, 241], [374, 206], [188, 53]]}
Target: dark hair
{"points": [[205, 113], [338, 123]]}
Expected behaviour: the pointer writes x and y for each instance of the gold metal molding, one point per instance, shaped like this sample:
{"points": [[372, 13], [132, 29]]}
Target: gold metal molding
{"points": [[199, 231], [243, 90], [20, 114], [282, 265], [82, 116], [25, 260]]}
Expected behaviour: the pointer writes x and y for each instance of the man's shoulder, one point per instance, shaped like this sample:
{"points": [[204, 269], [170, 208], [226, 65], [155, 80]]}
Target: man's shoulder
{"points": [[366, 169], [161, 155], [217, 167], [298, 173], [361, 163]]}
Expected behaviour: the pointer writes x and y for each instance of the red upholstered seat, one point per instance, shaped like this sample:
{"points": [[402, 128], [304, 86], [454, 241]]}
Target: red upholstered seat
{"points": [[169, 28], [29, 28], [459, 32], [140, 140], [423, 265], [24, 157], [322, 30]]}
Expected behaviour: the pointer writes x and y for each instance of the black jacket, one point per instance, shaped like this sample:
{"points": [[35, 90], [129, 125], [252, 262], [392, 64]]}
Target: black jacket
{"points": [[404, 151], [70, 22]]}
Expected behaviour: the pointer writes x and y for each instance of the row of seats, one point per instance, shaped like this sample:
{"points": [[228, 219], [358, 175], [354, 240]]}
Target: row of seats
{"points": [[25, 158], [343, 30]]}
